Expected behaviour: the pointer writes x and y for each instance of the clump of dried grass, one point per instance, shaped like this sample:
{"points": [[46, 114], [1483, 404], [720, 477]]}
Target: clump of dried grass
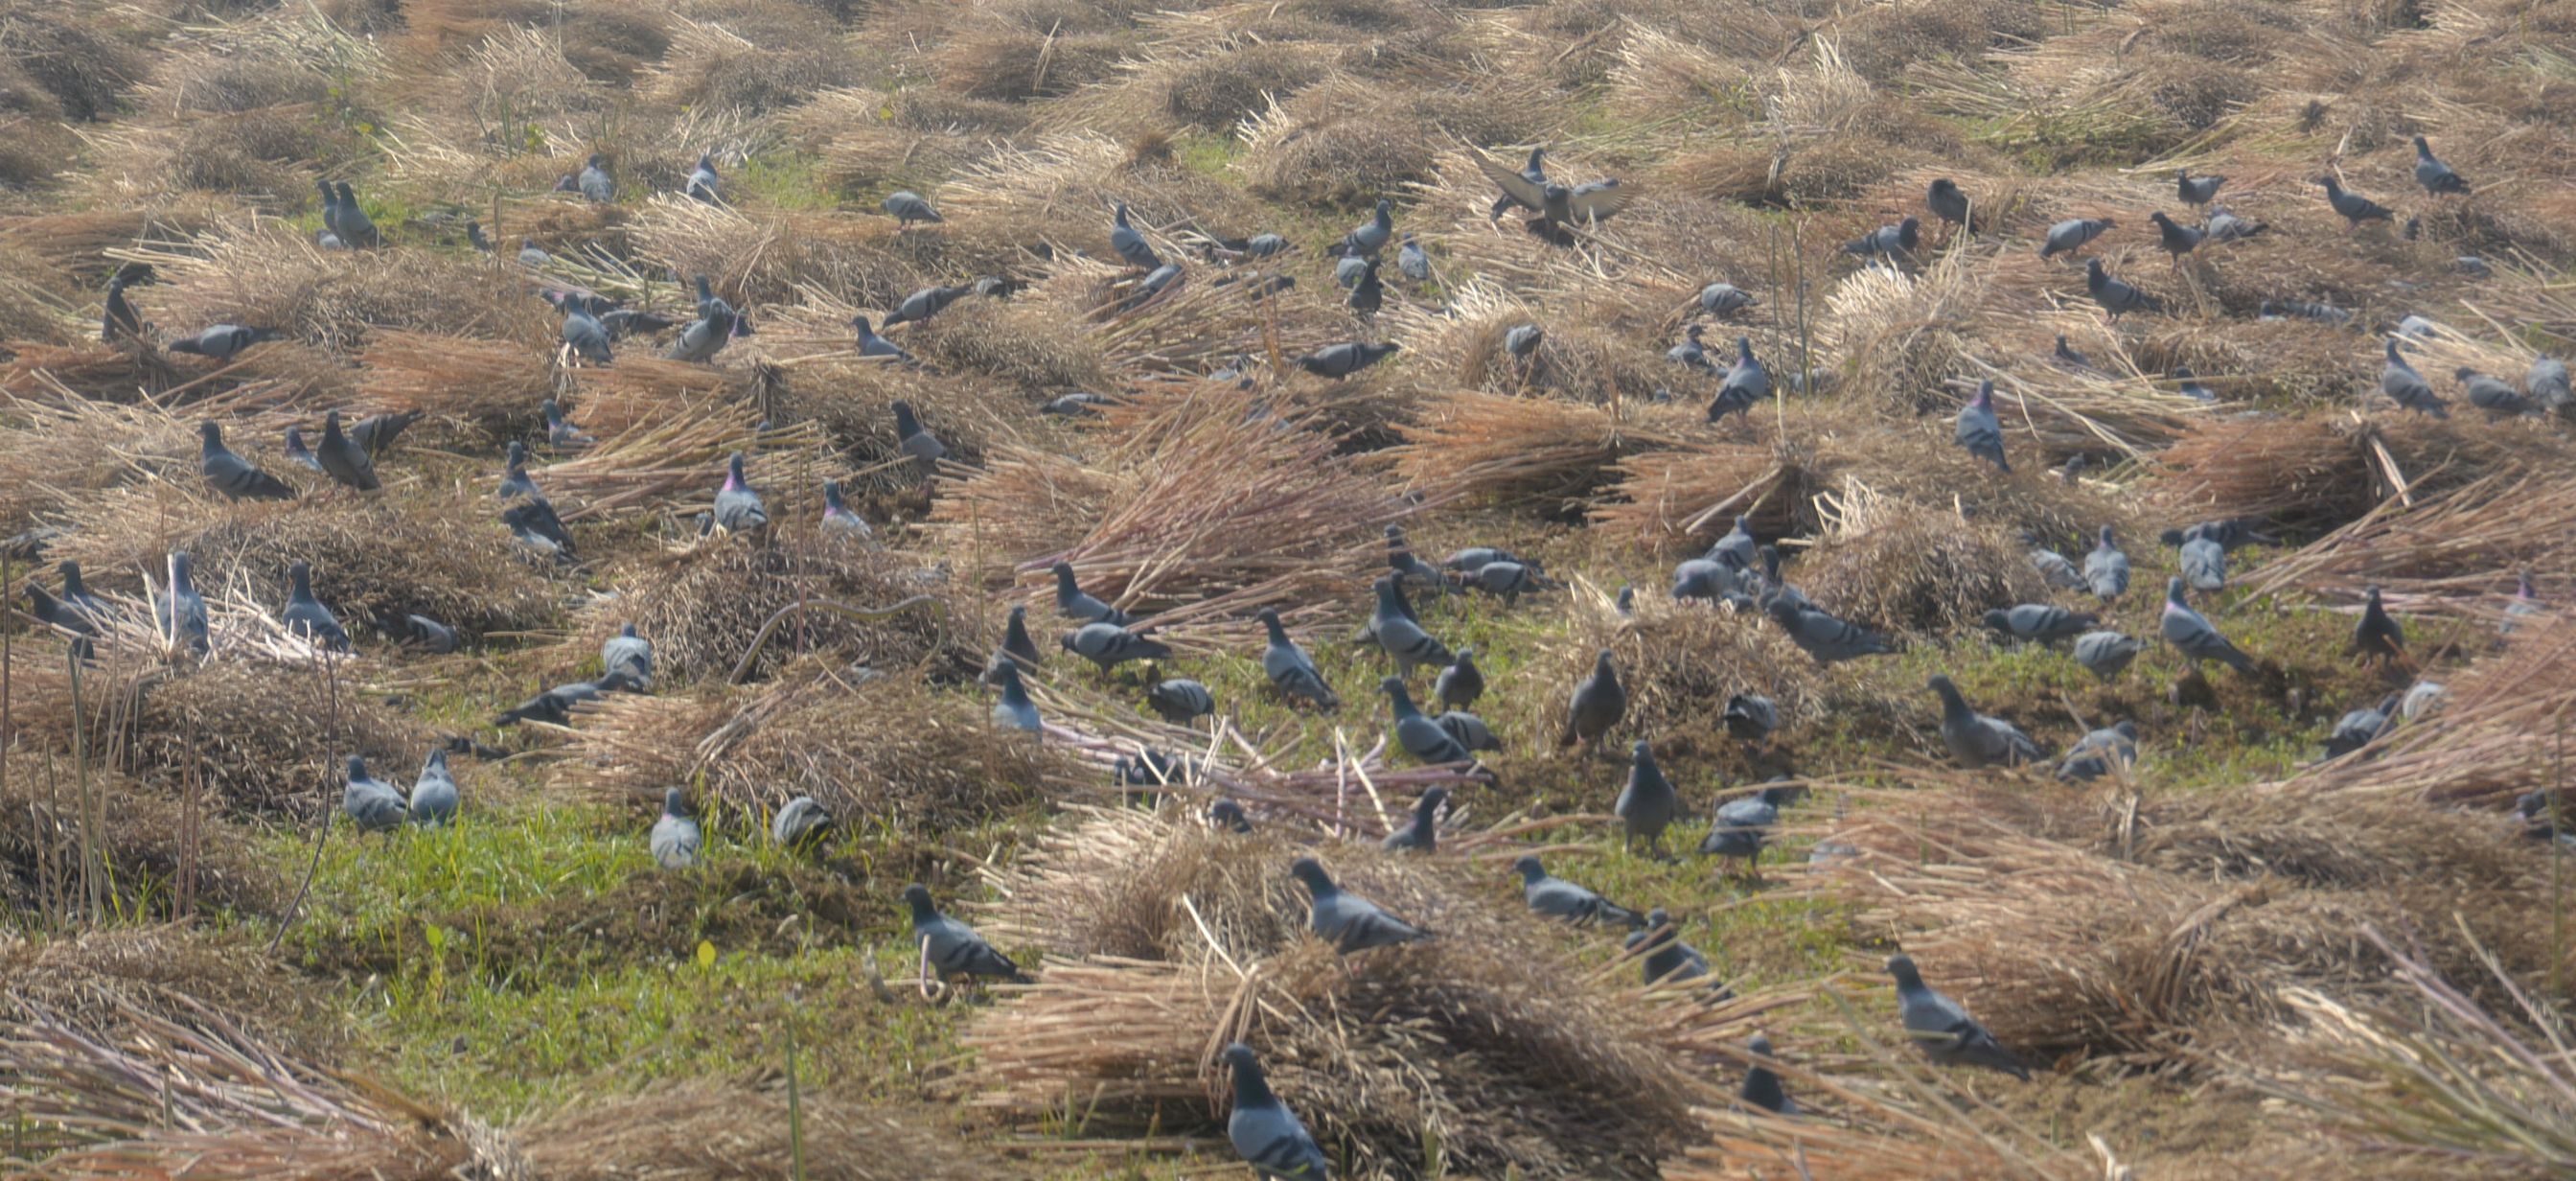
{"points": [[742, 65], [1020, 343], [1689, 497], [1531, 450], [2305, 473], [85, 66], [101, 982], [1680, 662], [1018, 65], [261, 274], [718, 1129], [1897, 565], [1344, 143], [2490, 743], [494, 385], [158, 855], [704, 605]]}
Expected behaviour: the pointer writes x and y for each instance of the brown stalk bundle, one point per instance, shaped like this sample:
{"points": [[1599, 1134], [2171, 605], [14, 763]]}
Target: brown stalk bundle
{"points": [[1211, 90], [2455, 550], [1512, 266], [641, 391], [261, 737], [59, 449], [689, 1131], [262, 274], [847, 403], [1890, 563], [493, 385], [1206, 321], [1894, 337], [1680, 662], [2493, 741], [1030, 192], [1531, 450], [756, 260], [760, 60], [888, 749], [1344, 142], [82, 369], [675, 459], [1474, 1041], [704, 605], [2303, 473], [156, 851], [1924, 465], [1684, 499], [99, 982], [1026, 346]]}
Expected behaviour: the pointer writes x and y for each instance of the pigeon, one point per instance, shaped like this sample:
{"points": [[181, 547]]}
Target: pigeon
{"points": [[1762, 1087], [703, 181], [297, 452], [375, 434], [2115, 296], [1180, 700], [1348, 272], [2548, 384], [427, 634], [371, 803], [1768, 585], [433, 795], [2190, 633], [331, 209], [232, 475], [1598, 704], [1152, 768], [2196, 190], [1289, 669], [1129, 244], [1072, 603], [2353, 207], [594, 180], [925, 303], [555, 706], [583, 332], [1396, 631], [2106, 654], [2067, 237], [1946, 201], [1077, 404], [1665, 959], [908, 207], [181, 614], [1016, 647], [1343, 360], [119, 317], [2542, 815], [306, 615], [1979, 431], [75, 608], [1560, 899], [2204, 563], [531, 513], [1975, 739], [560, 433], [1751, 717], [1227, 816], [2227, 227], [220, 342], [533, 256], [354, 227], [1161, 277], [1367, 295], [1896, 241], [1349, 922], [1013, 709], [2189, 387], [2044, 622], [2176, 238], [1825, 637], [1507, 581], [2422, 699], [1371, 236], [1460, 684], [1534, 174], [1688, 353], [628, 655], [709, 303], [676, 839], [2377, 634], [2099, 753], [473, 237], [1411, 262], [1420, 736], [738, 506], [1556, 204], [1521, 340], [2054, 568], [800, 823], [914, 441], [1742, 826], [2106, 569], [1421, 834], [1110, 645], [1264, 1132], [1409, 566], [2407, 388], [1747, 382], [2495, 397], [2524, 605], [2436, 177], [1477, 557], [2067, 356], [952, 947], [1470, 730], [1647, 804], [1719, 299], [1701, 578], [1947, 1034], [704, 337], [2361, 727], [625, 322]]}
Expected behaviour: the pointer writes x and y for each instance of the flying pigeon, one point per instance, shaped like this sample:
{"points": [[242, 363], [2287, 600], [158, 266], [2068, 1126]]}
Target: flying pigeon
{"points": [[1975, 739], [925, 303], [1762, 1087], [2407, 388], [2044, 622], [738, 507], [2067, 237], [1534, 174], [1946, 201], [2106, 654], [2196, 190], [1372, 235], [1180, 700], [1289, 669], [2115, 296], [629, 655], [1264, 1132], [354, 227], [375, 434], [1598, 704], [306, 615], [2436, 177], [2099, 752], [1072, 603], [2495, 397], [433, 795], [1825, 637], [2353, 207], [1688, 353], [1719, 299], [703, 182], [232, 475], [676, 839], [1129, 244], [220, 342], [952, 947], [1344, 359], [1109, 645], [1412, 262], [1421, 834], [2190, 633], [181, 614], [1947, 1034], [582, 331], [914, 441], [800, 823], [2176, 238], [1979, 431], [371, 803], [1560, 899], [1013, 709], [1556, 204], [1747, 382], [2377, 633], [1647, 804], [1349, 922], [1894, 241], [1460, 684], [908, 207]]}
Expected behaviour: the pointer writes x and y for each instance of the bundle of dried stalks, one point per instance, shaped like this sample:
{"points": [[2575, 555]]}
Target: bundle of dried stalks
{"points": [[1060, 188], [1023, 344], [704, 605], [1894, 337], [694, 1130], [1531, 450], [2454, 550], [81, 369], [2304, 473], [265, 739], [671, 458], [1345, 142], [1889, 563], [99, 982], [771, 62], [2496, 739], [493, 385], [77, 243], [1685, 499], [63, 447], [158, 854], [263, 274], [1680, 662], [1925, 465], [774, 258]]}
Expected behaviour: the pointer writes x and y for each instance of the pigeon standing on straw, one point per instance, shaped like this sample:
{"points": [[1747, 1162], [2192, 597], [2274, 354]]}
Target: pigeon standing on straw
{"points": [[305, 615], [2115, 296], [594, 180], [232, 475], [738, 507], [920, 444], [1072, 603], [1346, 920], [2067, 237], [583, 332], [908, 207], [221, 342], [1762, 1087], [2436, 177], [2353, 207], [2407, 388], [628, 655], [1825, 637], [1421, 834], [119, 317], [2196, 191], [1130, 244], [1944, 1031], [1947, 201], [181, 613], [703, 182], [343, 460], [1746, 384], [1264, 1132], [1980, 432]]}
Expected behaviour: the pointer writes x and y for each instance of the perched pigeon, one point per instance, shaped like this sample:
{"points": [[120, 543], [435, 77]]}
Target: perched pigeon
{"points": [[2176, 238], [2044, 622], [800, 823], [2067, 237], [1896, 241], [354, 228], [1946, 201], [1109, 645], [1227, 816], [925, 303], [555, 706], [952, 948], [220, 342], [738, 507], [594, 180], [1719, 299], [2407, 388], [2204, 562], [1947, 1034], [1072, 603], [1665, 959], [2353, 207], [180, 615], [375, 434], [1421, 834], [2106, 569], [297, 452], [628, 655], [1534, 176], [1560, 899], [2196, 190], [703, 182], [371, 803], [1742, 826], [2377, 633], [2227, 227], [428, 634], [1367, 295], [1737, 551], [1762, 1087], [1013, 709], [1460, 684], [1521, 340], [532, 513], [2548, 384], [2106, 654], [2495, 397], [908, 207], [2361, 727], [1700, 578], [1689, 353], [1016, 647], [1598, 704], [1647, 804], [1289, 669], [1412, 262], [703, 337], [232, 475], [1371, 236], [914, 441], [2100, 753], [75, 610], [676, 839], [1180, 700], [2191, 634], [1344, 359], [2436, 177], [2115, 296], [1825, 637], [1129, 244], [331, 209], [119, 318], [306, 615], [1751, 717], [1979, 431], [1975, 739], [1747, 383], [532, 255], [583, 332], [1349, 922], [1264, 1132]]}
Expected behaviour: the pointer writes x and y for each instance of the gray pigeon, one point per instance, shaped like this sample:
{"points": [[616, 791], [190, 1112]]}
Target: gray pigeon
{"points": [[1700, 578], [2044, 622], [2100, 752], [2054, 568], [2188, 387], [1751, 717], [2377, 634], [703, 182], [1738, 550], [2495, 397], [1347, 921], [533, 256], [908, 207], [433, 795], [676, 839], [119, 319], [2422, 699], [629, 655], [1421, 834], [1742, 826], [1893, 242], [560, 433], [2361, 727], [704, 337], [232, 475], [1460, 684], [952, 948], [1947, 201], [1395, 630], [2436, 177], [1507, 581], [306, 615], [1072, 603], [2548, 384], [531, 513], [2176, 238], [2204, 562], [1409, 566], [331, 208], [1289, 669], [2115, 296], [375, 434], [1747, 383], [1350, 270], [1523, 340], [1979, 431], [1947, 1034], [1412, 262], [873, 345], [594, 180], [181, 614], [370, 803], [342, 460], [1689, 353], [925, 303], [1665, 959], [2106, 654], [1560, 899], [428, 634], [555, 706], [1825, 637], [1557, 204], [1470, 730], [2190, 633], [1420, 736], [354, 228], [1975, 739], [220, 342], [1129, 244], [2196, 190], [1762, 1087], [583, 331], [738, 507], [921, 445], [2227, 227], [2353, 207], [1013, 709], [1109, 645], [1534, 174], [1264, 1132], [1476, 557], [76, 611], [1768, 585], [1598, 704], [297, 452], [800, 823], [1343, 360], [1368, 295], [473, 237], [1371, 236], [1017, 647], [2067, 237], [2407, 388], [1647, 805], [1180, 700], [1719, 299]]}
